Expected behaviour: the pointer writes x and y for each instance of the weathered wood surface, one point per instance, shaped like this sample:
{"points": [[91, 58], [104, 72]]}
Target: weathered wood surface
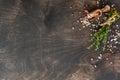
{"points": [[37, 43]]}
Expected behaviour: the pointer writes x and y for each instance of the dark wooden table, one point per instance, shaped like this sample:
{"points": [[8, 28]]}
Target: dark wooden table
{"points": [[38, 42]]}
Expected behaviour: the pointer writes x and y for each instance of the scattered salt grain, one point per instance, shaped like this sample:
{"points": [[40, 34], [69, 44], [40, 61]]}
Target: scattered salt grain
{"points": [[114, 47], [115, 39], [73, 28], [71, 7], [108, 42], [92, 59], [93, 25], [91, 29], [91, 34], [116, 42], [113, 5], [79, 29], [77, 21], [99, 57], [83, 26], [117, 25], [111, 62]]}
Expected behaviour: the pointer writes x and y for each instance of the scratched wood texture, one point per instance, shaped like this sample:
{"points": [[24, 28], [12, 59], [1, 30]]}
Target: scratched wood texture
{"points": [[37, 42]]}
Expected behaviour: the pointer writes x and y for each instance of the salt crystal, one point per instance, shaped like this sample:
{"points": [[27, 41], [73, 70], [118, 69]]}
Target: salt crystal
{"points": [[116, 42], [80, 29], [114, 47], [111, 46], [83, 26], [97, 2], [72, 14], [95, 66], [117, 25], [108, 46], [79, 12], [92, 59], [90, 29], [91, 35], [111, 40], [93, 25], [73, 28], [111, 50], [98, 18], [111, 62], [71, 7], [99, 57], [113, 5], [95, 30], [77, 21], [115, 39]]}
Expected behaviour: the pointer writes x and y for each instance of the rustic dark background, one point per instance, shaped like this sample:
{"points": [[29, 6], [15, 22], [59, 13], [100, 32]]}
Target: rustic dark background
{"points": [[37, 42]]}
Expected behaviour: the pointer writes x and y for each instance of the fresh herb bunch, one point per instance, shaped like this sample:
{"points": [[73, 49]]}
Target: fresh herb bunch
{"points": [[101, 36]]}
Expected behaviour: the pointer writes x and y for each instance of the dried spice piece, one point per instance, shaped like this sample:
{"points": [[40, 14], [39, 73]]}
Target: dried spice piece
{"points": [[94, 15], [98, 12], [113, 15]]}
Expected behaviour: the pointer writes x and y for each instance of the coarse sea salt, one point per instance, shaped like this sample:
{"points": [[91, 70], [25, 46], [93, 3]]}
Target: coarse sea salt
{"points": [[73, 28]]}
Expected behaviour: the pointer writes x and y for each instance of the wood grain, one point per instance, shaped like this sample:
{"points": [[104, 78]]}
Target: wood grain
{"points": [[37, 42]]}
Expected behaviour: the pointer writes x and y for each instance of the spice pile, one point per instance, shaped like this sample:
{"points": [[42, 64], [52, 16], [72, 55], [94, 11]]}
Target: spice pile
{"points": [[105, 35], [105, 31], [102, 27]]}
